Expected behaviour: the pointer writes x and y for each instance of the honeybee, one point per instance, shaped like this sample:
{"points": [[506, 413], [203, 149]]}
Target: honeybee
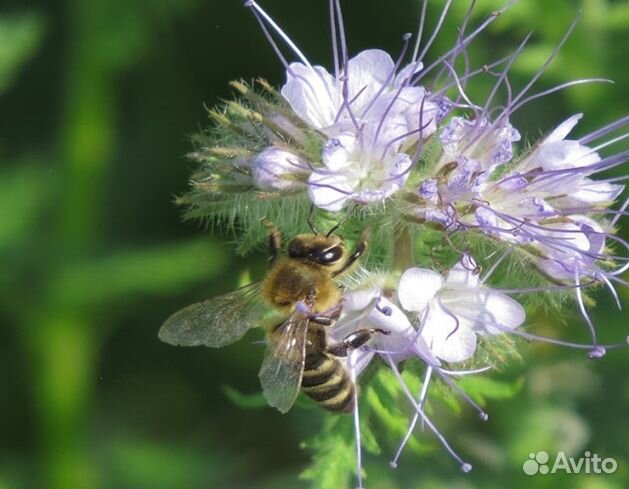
{"points": [[300, 286]]}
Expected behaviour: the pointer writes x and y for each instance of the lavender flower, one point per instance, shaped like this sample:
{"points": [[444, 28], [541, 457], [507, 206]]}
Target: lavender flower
{"points": [[453, 310]]}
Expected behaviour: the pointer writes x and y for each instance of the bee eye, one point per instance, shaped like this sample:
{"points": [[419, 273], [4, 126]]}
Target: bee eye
{"points": [[331, 255]]}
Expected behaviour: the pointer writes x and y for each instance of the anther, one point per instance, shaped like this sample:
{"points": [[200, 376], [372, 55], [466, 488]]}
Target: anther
{"points": [[596, 353], [393, 465], [483, 416], [466, 468], [386, 310], [248, 3], [407, 36]]}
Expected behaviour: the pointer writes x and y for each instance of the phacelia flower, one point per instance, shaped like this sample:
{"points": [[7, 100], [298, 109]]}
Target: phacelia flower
{"points": [[453, 310]]}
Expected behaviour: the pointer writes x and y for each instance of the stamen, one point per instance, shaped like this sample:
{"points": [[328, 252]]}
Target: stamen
{"points": [[554, 341], [621, 211], [411, 426], [442, 18], [557, 89], [271, 41], [463, 52], [335, 52], [503, 74], [391, 75], [420, 30], [465, 42], [343, 41], [459, 86], [623, 121], [280, 32], [359, 456], [542, 69], [596, 352], [465, 467], [482, 414], [611, 141], [479, 71], [495, 265], [457, 323]]}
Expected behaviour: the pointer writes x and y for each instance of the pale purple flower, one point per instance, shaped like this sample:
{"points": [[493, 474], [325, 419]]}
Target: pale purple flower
{"points": [[368, 308], [278, 169], [453, 310], [488, 144], [367, 90], [357, 171], [571, 247]]}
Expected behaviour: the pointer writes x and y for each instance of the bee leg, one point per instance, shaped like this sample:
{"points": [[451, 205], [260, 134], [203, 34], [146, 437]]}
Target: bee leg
{"points": [[275, 240], [329, 317], [354, 340], [323, 320], [361, 246]]}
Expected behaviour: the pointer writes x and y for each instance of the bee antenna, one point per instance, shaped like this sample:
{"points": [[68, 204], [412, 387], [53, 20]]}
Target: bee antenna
{"points": [[309, 220], [342, 221]]}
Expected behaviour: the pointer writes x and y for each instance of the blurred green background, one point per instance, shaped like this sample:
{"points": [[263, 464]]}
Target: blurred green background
{"points": [[97, 101]]}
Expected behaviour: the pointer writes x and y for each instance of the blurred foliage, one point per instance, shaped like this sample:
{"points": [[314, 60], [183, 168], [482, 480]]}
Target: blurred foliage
{"points": [[97, 98]]}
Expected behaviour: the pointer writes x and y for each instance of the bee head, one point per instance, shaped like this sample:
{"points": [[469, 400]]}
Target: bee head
{"points": [[319, 249]]}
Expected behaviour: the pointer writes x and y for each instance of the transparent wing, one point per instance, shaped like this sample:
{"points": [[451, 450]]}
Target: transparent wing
{"points": [[283, 365], [215, 322]]}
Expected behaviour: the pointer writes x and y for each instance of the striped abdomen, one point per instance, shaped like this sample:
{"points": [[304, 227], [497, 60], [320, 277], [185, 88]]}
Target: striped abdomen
{"points": [[327, 382]]}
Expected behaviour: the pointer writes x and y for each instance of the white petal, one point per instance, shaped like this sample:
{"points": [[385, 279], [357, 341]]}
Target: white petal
{"points": [[366, 74], [313, 94], [565, 154], [462, 275], [330, 191], [360, 299], [484, 310], [402, 78], [404, 340], [594, 192], [390, 317], [338, 152], [447, 338], [417, 287], [562, 130]]}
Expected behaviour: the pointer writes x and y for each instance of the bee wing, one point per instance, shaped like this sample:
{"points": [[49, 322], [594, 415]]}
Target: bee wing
{"points": [[283, 365], [215, 322]]}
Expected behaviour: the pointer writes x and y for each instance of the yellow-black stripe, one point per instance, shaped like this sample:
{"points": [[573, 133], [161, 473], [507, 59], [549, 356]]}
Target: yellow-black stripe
{"points": [[326, 381]]}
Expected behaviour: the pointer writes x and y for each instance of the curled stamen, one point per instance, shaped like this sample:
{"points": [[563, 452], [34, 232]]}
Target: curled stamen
{"points": [[540, 72]]}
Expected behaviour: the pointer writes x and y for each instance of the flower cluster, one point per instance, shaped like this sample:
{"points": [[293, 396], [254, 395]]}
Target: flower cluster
{"points": [[372, 142]]}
